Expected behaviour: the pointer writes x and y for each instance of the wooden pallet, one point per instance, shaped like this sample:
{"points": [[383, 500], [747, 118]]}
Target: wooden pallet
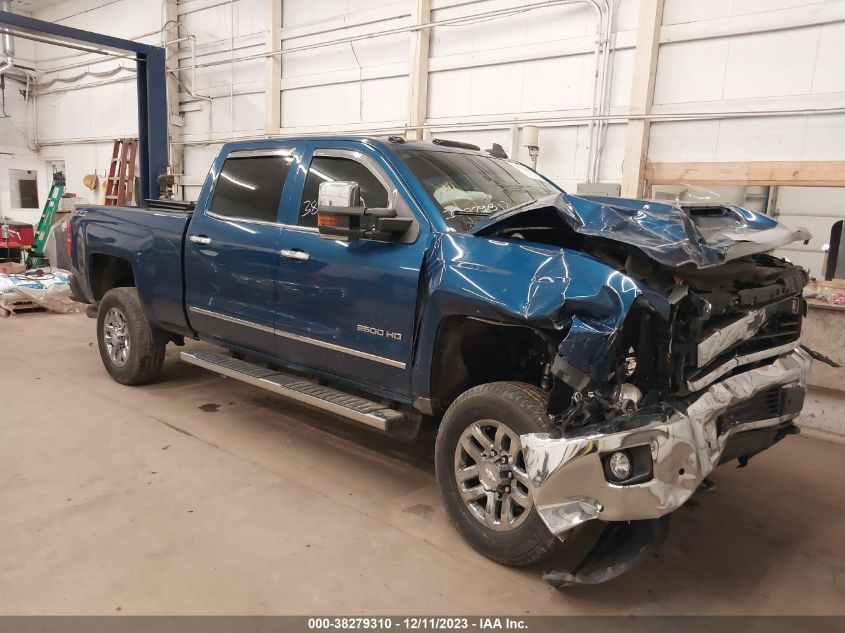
{"points": [[20, 306]]}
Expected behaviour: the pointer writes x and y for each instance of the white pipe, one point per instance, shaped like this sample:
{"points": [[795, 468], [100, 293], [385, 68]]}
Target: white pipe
{"points": [[193, 67], [598, 92], [188, 8], [34, 145], [193, 41], [591, 127], [8, 41], [600, 6], [606, 97], [89, 84], [604, 88], [231, 70], [600, 81], [131, 37], [105, 57], [191, 38], [506, 123], [404, 29], [596, 4], [109, 55]]}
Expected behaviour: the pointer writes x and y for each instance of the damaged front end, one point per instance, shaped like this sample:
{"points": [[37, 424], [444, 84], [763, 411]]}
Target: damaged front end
{"points": [[703, 366], [671, 446]]}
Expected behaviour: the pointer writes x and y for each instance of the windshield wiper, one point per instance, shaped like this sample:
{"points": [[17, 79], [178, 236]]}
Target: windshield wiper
{"points": [[516, 206], [483, 212], [486, 212]]}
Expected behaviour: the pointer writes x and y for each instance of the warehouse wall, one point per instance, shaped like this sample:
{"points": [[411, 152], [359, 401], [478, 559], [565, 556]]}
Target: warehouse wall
{"points": [[12, 139], [228, 99], [527, 65], [533, 65], [484, 77], [15, 152], [788, 68], [816, 208]]}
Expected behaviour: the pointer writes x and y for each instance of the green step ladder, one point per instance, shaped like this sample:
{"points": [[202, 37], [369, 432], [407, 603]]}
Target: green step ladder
{"points": [[36, 258]]}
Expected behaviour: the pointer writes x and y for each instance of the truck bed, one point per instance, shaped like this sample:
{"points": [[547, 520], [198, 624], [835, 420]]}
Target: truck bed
{"points": [[151, 240]]}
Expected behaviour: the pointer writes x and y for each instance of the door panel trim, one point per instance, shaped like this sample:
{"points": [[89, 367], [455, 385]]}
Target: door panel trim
{"points": [[230, 319], [237, 218], [340, 348], [301, 339]]}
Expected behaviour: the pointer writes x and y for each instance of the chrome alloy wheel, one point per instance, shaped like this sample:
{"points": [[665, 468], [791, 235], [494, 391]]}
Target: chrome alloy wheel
{"points": [[491, 476], [116, 336]]}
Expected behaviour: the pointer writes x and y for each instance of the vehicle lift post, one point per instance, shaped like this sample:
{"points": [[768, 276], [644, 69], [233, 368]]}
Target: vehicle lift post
{"points": [[152, 84]]}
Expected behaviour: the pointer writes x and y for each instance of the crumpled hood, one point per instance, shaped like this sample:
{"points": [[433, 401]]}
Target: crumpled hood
{"points": [[677, 234]]}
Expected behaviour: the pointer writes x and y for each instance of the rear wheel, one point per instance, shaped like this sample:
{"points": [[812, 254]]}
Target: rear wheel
{"points": [[132, 350], [481, 471]]}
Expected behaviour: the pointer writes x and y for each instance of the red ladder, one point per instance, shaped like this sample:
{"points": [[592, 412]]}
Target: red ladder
{"points": [[120, 183]]}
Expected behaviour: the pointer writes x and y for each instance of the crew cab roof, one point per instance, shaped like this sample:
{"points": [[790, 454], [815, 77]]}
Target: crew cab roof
{"points": [[380, 142]]}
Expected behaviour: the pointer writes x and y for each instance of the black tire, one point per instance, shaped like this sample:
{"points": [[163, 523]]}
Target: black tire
{"points": [[522, 407], [145, 354]]}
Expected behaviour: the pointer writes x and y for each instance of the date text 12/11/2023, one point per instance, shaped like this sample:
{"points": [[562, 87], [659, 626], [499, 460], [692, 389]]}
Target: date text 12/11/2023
{"points": [[417, 623]]}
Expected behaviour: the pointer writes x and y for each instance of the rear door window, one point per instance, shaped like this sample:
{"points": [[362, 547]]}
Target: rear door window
{"points": [[249, 187]]}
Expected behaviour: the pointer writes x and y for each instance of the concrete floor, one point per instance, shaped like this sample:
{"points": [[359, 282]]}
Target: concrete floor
{"points": [[205, 496]]}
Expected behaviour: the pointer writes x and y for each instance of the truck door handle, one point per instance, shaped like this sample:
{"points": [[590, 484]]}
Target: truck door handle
{"points": [[200, 239], [295, 254]]}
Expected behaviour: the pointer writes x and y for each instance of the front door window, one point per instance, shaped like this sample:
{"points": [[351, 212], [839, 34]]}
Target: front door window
{"points": [[335, 168]]}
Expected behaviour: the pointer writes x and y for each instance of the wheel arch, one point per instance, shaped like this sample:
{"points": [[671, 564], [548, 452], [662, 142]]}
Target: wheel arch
{"points": [[470, 351], [107, 271]]}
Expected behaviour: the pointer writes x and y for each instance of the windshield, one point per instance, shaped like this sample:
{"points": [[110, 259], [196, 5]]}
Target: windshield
{"points": [[468, 188]]}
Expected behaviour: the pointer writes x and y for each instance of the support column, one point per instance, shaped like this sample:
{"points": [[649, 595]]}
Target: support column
{"points": [[174, 118], [418, 60], [642, 97], [273, 68], [152, 119]]}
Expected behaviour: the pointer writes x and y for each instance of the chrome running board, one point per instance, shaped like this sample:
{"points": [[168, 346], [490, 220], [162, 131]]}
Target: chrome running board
{"points": [[367, 412]]}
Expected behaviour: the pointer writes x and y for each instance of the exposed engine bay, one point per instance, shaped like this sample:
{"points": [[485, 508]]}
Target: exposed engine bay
{"points": [[738, 314], [694, 326]]}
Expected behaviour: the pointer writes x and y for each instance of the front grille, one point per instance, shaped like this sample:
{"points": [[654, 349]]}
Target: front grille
{"points": [[782, 325], [665, 352]]}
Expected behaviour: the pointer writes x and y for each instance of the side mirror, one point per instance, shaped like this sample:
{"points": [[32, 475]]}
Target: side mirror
{"points": [[342, 216]]}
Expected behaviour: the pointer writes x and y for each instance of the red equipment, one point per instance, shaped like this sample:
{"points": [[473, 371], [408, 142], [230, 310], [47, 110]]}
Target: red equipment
{"points": [[20, 232], [15, 236]]}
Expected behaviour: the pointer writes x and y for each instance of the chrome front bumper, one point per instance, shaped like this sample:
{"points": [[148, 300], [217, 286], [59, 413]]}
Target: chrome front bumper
{"points": [[568, 480]]}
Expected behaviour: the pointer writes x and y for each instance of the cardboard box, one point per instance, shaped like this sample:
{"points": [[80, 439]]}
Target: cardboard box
{"points": [[11, 268]]}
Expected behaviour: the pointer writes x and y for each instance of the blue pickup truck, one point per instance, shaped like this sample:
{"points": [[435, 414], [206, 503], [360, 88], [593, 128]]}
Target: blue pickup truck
{"points": [[587, 362]]}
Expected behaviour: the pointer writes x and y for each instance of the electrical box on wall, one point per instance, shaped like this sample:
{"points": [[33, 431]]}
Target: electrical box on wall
{"points": [[610, 189]]}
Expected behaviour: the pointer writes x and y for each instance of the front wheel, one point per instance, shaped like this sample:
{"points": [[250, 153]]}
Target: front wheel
{"points": [[481, 471], [130, 348]]}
